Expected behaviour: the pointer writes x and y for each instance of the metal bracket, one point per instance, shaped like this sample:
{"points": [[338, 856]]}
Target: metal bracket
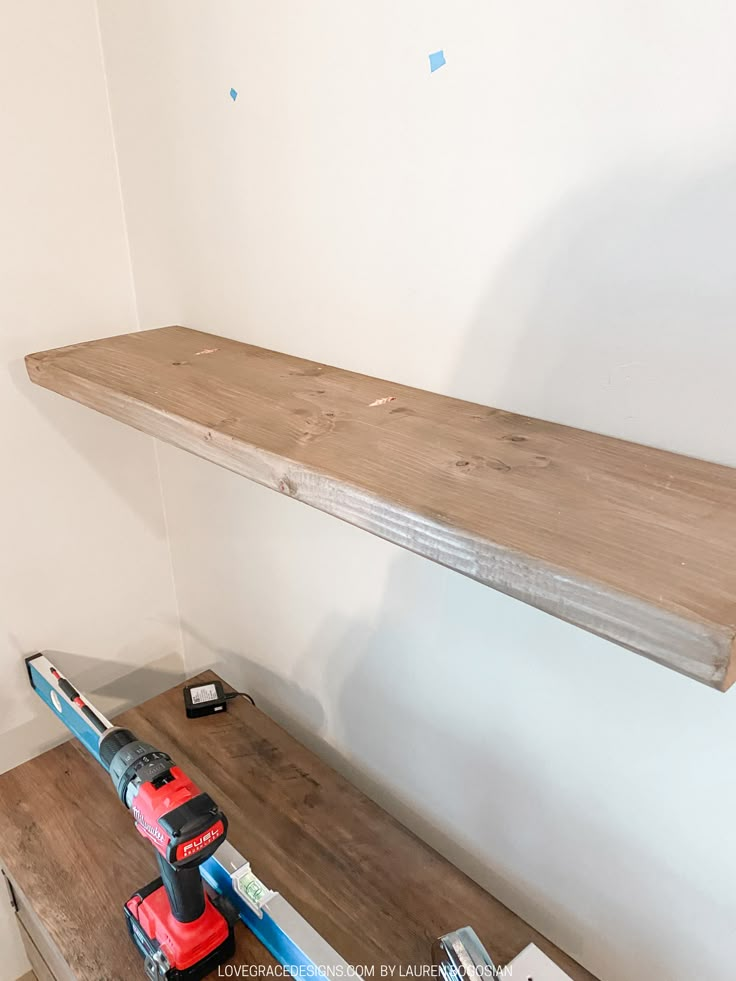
{"points": [[156, 966], [460, 955]]}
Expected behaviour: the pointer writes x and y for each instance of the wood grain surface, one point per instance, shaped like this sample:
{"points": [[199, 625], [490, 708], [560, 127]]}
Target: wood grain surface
{"points": [[374, 891], [634, 544]]}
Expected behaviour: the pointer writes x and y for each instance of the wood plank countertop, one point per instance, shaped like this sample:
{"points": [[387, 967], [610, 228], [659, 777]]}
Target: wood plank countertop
{"points": [[374, 891], [635, 544]]}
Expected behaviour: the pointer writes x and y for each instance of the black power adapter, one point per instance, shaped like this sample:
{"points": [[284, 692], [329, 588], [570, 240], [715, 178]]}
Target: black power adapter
{"points": [[208, 698], [204, 699]]}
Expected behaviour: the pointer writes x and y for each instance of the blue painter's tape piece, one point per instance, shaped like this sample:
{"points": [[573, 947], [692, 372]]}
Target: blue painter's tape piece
{"points": [[436, 60], [286, 952], [86, 733], [233, 94]]}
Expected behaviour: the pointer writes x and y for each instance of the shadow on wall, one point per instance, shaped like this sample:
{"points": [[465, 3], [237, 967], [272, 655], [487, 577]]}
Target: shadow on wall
{"points": [[616, 314], [464, 769], [77, 428]]}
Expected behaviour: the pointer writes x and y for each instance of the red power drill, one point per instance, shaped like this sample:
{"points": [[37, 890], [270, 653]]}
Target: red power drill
{"points": [[182, 932]]}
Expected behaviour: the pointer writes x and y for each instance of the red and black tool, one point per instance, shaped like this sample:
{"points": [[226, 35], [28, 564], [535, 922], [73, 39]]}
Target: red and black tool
{"points": [[181, 930]]}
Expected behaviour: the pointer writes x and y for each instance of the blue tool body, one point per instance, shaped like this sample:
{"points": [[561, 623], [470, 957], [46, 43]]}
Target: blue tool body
{"points": [[65, 710], [266, 927]]}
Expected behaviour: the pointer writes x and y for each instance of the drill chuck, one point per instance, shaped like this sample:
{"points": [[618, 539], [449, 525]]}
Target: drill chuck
{"points": [[131, 762]]}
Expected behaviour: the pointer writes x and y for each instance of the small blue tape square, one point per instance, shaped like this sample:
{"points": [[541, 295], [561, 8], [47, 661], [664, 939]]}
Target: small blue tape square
{"points": [[436, 60], [234, 94]]}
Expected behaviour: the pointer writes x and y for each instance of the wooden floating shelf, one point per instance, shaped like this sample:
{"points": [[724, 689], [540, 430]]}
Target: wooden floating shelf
{"points": [[634, 544]]}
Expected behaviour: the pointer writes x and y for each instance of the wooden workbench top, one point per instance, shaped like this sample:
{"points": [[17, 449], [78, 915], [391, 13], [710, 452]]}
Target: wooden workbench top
{"points": [[374, 891]]}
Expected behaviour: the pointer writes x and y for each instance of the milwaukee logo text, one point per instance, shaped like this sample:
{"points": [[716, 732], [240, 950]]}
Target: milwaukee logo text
{"points": [[151, 830]]}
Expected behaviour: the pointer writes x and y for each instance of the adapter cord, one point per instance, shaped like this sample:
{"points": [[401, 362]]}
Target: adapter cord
{"points": [[234, 694]]}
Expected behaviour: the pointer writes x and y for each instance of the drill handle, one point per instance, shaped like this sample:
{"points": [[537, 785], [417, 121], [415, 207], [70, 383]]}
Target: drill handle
{"points": [[184, 889]]}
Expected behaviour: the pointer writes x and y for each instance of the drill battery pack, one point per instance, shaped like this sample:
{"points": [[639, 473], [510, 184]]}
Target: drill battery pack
{"points": [[175, 951]]}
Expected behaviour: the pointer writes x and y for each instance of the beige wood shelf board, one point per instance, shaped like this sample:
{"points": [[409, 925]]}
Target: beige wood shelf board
{"points": [[634, 544]]}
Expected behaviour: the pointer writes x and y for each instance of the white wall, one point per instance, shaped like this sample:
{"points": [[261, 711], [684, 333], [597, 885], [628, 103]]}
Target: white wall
{"points": [[548, 223], [84, 565]]}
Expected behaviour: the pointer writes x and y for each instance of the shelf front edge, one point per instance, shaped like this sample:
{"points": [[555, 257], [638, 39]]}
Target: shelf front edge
{"points": [[698, 649]]}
